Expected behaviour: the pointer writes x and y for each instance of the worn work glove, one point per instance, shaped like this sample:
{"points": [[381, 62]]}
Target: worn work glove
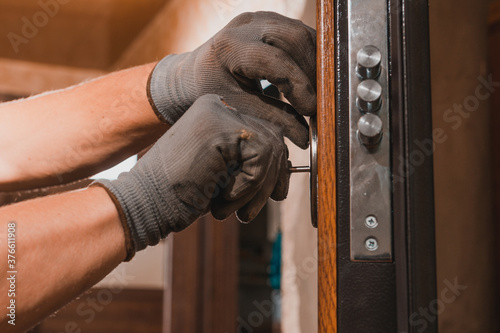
{"points": [[213, 159], [251, 47]]}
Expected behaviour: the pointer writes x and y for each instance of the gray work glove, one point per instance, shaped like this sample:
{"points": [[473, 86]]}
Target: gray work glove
{"points": [[213, 159], [253, 46]]}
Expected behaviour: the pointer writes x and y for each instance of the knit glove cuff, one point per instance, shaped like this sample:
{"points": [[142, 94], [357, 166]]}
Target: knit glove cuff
{"points": [[145, 217], [170, 87]]}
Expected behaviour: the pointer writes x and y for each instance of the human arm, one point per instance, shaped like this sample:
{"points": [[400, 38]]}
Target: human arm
{"points": [[64, 245], [213, 159], [67, 135]]}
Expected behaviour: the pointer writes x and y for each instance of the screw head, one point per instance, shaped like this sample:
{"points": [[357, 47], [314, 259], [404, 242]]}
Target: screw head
{"points": [[371, 244], [371, 221]]}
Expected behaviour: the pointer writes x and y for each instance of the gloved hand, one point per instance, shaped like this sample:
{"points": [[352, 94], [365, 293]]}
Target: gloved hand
{"points": [[253, 46], [213, 159]]}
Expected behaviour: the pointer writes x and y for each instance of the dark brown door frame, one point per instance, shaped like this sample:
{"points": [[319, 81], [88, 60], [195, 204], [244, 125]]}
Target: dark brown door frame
{"points": [[374, 297]]}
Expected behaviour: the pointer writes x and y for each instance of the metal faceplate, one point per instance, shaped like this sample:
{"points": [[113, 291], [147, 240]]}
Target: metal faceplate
{"points": [[369, 141]]}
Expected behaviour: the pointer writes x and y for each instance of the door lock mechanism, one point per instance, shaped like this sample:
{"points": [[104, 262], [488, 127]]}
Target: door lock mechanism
{"points": [[312, 169], [369, 132]]}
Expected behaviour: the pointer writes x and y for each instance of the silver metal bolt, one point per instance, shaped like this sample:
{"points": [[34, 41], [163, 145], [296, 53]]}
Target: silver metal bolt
{"points": [[369, 94], [371, 221], [371, 244], [297, 169], [369, 59], [370, 130]]}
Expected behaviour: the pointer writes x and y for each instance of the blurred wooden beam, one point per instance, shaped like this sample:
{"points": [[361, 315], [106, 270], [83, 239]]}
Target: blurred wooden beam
{"points": [[23, 78], [86, 34], [201, 294]]}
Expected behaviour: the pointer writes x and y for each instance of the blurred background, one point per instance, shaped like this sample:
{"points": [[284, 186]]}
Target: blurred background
{"points": [[261, 277]]}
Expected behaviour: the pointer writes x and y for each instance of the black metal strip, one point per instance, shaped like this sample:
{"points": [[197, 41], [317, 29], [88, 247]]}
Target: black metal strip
{"points": [[398, 121], [420, 181]]}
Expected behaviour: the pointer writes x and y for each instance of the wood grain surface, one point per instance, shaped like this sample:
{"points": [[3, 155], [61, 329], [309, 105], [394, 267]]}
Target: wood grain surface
{"points": [[109, 310], [202, 280], [327, 270]]}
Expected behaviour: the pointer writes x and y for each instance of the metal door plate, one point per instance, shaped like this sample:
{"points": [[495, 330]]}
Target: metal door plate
{"points": [[370, 175]]}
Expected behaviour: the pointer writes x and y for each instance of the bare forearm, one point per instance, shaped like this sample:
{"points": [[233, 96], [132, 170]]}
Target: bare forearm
{"points": [[64, 245], [74, 133]]}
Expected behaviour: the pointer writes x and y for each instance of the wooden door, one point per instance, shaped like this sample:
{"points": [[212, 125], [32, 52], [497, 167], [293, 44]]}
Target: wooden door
{"points": [[378, 294], [326, 124]]}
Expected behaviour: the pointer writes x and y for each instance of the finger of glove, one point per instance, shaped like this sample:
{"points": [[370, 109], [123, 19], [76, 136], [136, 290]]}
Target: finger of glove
{"points": [[262, 61], [291, 35], [280, 156], [296, 39], [281, 114], [222, 208], [249, 205], [280, 191], [251, 209], [255, 156]]}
